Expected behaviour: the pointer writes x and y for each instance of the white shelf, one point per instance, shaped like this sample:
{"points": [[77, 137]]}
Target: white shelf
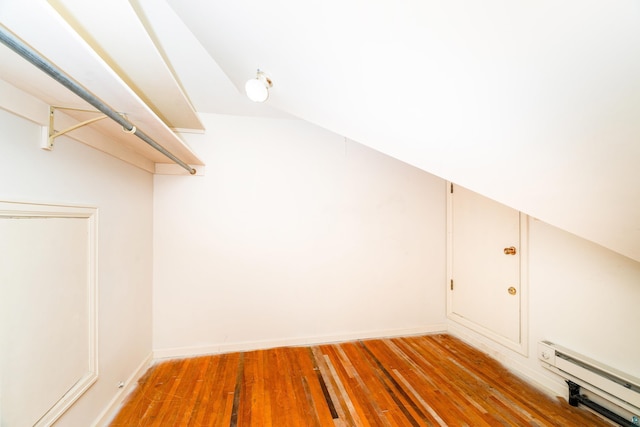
{"points": [[40, 26]]}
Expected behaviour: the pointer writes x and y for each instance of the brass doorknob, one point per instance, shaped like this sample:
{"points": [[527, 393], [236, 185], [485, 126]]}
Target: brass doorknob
{"points": [[511, 250], [512, 290]]}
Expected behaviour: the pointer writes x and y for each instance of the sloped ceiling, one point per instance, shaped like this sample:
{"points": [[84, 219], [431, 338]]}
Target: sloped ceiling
{"points": [[533, 104]]}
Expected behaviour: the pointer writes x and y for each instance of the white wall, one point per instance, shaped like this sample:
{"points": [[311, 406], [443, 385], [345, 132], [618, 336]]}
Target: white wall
{"points": [[76, 174], [581, 296], [294, 235]]}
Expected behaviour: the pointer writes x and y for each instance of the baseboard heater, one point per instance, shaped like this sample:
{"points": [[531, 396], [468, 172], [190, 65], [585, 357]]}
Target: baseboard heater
{"points": [[580, 372]]}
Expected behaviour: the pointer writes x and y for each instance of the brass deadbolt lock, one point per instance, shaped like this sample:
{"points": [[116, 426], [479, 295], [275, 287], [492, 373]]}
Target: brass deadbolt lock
{"points": [[512, 290], [511, 250]]}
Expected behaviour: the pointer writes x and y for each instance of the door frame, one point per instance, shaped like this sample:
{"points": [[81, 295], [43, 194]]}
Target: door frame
{"points": [[522, 345]]}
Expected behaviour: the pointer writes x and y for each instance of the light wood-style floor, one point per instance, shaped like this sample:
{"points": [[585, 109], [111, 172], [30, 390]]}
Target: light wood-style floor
{"points": [[432, 380]]}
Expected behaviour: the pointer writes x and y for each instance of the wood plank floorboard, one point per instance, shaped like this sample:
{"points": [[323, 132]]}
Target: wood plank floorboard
{"points": [[434, 380]]}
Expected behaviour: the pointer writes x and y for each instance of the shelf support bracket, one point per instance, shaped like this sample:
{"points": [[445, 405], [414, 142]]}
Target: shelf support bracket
{"points": [[53, 134]]}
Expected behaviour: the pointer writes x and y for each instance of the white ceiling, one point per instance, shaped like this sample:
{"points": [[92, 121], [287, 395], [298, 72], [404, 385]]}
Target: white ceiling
{"points": [[534, 104]]}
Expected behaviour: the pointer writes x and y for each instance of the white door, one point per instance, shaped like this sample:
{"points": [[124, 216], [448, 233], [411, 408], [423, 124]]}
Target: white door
{"points": [[485, 265]]}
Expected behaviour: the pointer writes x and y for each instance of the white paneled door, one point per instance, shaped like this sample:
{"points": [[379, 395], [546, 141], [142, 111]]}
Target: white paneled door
{"points": [[484, 288]]}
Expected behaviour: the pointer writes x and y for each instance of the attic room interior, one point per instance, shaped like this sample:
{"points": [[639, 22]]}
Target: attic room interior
{"points": [[437, 200]]}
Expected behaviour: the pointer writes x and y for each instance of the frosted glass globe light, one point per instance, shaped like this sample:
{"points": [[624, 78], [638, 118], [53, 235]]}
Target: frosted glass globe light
{"points": [[258, 89]]}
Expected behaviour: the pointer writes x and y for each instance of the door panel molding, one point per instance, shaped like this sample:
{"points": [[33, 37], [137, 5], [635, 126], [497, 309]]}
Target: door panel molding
{"points": [[520, 345], [48, 309]]}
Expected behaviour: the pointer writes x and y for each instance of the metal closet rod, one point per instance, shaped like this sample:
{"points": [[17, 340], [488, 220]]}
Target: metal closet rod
{"points": [[33, 57]]}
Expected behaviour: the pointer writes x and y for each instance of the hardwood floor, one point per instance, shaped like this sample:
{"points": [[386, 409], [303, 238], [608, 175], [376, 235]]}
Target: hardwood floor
{"points": [[433, 380]]}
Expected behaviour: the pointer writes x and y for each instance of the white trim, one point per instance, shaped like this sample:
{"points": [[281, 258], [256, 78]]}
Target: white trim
{"points": [[114, 406], [522, 345], [20, 103], [194, 131], [178, 352]]}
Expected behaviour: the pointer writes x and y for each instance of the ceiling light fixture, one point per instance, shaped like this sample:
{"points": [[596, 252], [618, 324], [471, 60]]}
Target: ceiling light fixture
{"points": [[258, 89]]}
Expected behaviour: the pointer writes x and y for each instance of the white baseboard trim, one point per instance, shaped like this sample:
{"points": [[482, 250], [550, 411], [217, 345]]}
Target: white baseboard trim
{"points": [[113, 407], [510, 361], [179, 352]]}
